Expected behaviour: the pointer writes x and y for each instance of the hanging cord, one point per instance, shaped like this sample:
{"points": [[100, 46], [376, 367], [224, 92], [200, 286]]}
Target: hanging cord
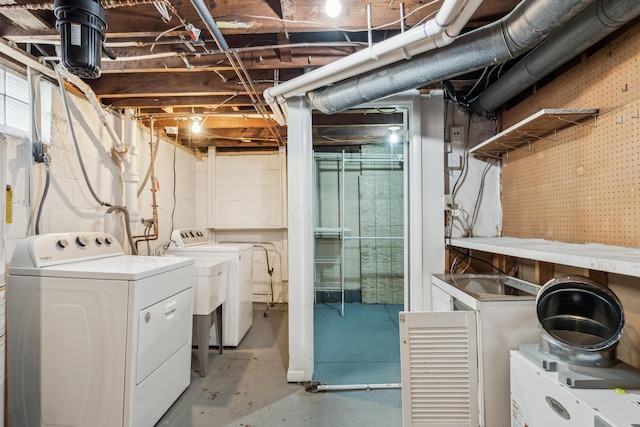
{"points": [[44, 192], [111, 207]]}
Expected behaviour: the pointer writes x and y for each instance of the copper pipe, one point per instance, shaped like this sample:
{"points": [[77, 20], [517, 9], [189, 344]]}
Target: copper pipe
{"points": [[154, 202]]}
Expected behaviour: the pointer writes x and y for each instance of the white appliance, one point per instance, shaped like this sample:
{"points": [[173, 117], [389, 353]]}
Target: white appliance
{"points": [[456, 358], [95, 337], [540, 399], [209, 294], [237, 315]]}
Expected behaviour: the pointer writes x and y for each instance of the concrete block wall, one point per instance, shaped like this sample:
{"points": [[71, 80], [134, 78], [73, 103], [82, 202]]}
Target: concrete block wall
{"points": [[246, 196], [382, 215], [69, 205], [248, 191]]}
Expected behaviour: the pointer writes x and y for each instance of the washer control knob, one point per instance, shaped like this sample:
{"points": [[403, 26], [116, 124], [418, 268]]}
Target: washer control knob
{"points": [[81, 241], [62, 243], [108, 240], [99, 240]]}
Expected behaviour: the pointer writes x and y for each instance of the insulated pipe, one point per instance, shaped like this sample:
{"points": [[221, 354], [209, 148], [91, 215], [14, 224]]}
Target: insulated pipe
{"points": [[592, 25], [91, 97], [131, 177], [529, 23], [436, 32]]}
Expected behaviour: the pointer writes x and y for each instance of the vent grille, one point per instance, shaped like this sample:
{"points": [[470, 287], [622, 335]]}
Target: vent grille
{"points": [[442, 376]]}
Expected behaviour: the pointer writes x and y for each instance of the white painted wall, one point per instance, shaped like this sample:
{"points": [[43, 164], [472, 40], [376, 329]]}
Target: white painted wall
{"points": [[247, 202], [69, 205], [489, 212]]}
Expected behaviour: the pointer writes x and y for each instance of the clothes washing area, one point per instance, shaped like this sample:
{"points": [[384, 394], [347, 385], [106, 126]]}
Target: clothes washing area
{"points": [[95, 337], [237, 309]]}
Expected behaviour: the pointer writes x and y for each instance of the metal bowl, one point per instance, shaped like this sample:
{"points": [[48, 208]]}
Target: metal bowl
{"points": [[580, 321]]}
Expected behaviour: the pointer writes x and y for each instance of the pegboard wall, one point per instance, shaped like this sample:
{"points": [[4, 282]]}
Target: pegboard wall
{"points": [[583, 185]]}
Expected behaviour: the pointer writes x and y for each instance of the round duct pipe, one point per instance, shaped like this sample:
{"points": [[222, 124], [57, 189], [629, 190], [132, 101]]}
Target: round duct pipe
{"points": [[581, 321], [81, 24]]}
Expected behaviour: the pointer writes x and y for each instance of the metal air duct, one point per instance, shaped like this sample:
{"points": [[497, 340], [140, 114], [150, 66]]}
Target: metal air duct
{"points": [[590, 26], [528, 24]]}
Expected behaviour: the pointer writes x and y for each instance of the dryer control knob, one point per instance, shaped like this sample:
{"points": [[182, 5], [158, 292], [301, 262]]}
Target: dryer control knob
{"points": [[99, 240], [107, 240], [81, 241], [62, 243]]}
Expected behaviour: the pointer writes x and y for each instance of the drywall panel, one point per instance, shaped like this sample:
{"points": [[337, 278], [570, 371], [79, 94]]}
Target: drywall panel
{"points": [[583, 184]]}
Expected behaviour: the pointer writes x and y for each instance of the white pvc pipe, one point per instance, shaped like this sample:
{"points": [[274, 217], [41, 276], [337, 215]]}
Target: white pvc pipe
{"points": [[131, 176], [415, 41], [346, 387], [91, 97]]}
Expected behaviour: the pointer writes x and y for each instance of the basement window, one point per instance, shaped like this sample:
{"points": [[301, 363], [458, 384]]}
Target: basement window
{"points": [[14, 101]]}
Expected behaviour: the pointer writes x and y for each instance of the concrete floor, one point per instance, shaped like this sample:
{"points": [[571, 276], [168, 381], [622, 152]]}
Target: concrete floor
{"points": [[247, 387]]}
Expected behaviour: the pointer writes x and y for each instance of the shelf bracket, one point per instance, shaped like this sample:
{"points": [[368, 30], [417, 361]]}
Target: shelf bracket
{"points": [[513, 147], [595, 121]]}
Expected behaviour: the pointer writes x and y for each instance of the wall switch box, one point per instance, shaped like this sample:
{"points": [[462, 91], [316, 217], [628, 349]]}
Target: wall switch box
{"points": [[455, 134], [454, 161]]}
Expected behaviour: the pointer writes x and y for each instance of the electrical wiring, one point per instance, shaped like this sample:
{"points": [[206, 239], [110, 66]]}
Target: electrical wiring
{"points": [[173, 211], [474, 216], [325, 25], [45, 191], [453, 248], [477, 82]]}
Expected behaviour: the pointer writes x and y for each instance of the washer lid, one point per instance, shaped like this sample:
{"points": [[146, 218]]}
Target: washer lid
{"points": [[123, 267]]}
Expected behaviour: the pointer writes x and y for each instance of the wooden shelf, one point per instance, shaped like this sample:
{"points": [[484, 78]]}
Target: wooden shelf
{"points": [[543, 124], [611, 259]]}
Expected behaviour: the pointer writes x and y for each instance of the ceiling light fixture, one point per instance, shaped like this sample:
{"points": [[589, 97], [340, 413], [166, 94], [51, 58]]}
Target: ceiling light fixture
{"points": [[393, 138], [332, 8], [195, 124]]}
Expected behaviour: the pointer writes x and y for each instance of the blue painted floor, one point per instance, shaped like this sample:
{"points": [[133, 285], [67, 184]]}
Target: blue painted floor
{"points": [[363, 347]]}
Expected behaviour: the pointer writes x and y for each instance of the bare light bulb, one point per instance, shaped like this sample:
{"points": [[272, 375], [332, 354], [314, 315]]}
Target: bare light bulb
{"points": [[195, 127], [333, 8]]}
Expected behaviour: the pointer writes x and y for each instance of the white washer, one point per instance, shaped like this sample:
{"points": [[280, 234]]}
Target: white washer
{"points": [[95, 337], [238, 308]]}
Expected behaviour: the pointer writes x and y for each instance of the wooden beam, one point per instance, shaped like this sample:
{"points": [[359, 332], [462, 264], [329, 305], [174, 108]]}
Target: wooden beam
{"points": [[133, 85], [543, 272], [178, 101], [599, 276]]}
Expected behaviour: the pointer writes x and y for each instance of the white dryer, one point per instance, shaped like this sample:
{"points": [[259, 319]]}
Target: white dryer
{"points": [[238, 308], [95, 337]]}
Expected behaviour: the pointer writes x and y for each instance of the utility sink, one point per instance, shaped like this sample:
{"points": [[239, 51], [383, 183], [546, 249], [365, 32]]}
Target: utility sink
{"points": [[490, 286], [210, 290]]}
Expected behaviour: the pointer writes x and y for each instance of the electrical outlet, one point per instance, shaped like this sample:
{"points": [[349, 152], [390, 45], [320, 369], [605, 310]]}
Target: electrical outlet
{"points": [[455, 134], [448, 202]]}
